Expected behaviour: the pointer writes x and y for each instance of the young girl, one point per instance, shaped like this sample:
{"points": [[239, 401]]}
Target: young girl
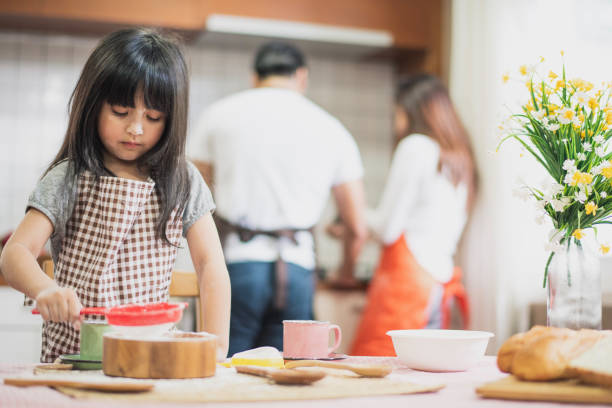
{"points": [[118, 196]]}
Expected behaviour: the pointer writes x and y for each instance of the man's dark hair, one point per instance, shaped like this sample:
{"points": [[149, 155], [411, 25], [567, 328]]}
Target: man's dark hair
{"points": [[278, 58]]}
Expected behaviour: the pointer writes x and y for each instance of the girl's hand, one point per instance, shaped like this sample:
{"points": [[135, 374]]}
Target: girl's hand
{"points": [[59, 305]]}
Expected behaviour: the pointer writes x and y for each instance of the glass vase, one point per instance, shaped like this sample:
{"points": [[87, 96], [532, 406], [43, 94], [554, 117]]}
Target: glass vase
{"points": [[574, 287]]}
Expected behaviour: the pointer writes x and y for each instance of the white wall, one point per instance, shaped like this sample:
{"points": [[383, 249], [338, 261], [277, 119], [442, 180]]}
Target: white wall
{"points": [[503, 250]]}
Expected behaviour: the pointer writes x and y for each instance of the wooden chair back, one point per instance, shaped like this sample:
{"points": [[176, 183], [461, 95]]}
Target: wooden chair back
{"points": [[183, 284]]}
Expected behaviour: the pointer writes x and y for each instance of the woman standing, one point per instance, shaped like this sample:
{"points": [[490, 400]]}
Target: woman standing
{"points": [[420, 218]]}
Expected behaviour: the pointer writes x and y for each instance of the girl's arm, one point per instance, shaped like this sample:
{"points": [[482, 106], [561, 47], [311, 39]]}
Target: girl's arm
{"points": [[213, 279], [20, 269]]}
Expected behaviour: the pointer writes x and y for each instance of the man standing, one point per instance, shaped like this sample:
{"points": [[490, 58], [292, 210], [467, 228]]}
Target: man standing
{"points": [[272, 157]]}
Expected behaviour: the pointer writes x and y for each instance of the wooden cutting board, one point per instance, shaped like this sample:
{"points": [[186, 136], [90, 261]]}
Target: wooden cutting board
{"points": [[558, 391], [84, 385]]}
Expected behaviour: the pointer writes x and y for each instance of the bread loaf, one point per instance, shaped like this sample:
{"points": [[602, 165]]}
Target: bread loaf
{"points": [[506, 353], [594, 366], [544, 353]]}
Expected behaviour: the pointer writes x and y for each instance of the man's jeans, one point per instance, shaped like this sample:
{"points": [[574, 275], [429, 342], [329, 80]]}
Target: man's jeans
{"points": [[255, 320]]}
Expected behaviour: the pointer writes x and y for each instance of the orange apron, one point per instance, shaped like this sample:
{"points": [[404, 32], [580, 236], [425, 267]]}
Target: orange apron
{"points": [[398, 298]]}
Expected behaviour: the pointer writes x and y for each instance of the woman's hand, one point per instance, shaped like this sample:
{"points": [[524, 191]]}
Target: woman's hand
{"points": [[336, 230], [58, 304], [344, 283]]}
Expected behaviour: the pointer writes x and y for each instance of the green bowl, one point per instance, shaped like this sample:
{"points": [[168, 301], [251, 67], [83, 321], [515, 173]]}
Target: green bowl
{"points": [[79, 363]]}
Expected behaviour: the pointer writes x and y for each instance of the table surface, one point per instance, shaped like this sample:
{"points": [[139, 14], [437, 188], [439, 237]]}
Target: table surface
{"points": [[459, 391]]}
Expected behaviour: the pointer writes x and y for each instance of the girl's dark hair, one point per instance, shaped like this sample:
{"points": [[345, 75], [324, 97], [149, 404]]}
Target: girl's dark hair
{"points": [[123, 62], [430, 111], [278, 58]]}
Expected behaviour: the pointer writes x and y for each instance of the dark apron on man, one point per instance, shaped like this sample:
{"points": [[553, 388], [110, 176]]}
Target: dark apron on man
{"points": [[225, 227]]}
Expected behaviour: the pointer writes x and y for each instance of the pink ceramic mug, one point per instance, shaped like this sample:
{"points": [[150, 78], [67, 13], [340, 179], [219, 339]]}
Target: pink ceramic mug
{"points": [[309, 339]]}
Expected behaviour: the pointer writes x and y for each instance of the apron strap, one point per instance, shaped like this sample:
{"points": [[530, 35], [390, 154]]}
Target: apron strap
{"points": [[225, 227], [455, 289]]}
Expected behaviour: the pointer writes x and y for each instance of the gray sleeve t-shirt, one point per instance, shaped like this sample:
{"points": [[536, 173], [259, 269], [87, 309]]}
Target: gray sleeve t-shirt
{"points": [[50, 198]]}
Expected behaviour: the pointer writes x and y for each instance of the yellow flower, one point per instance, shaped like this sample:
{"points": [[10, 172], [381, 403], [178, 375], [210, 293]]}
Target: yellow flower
{"points": [[581, 178], [505, 78], [587, 178], [607, 171], [609, 118], [568, 114], [529, 106], [552, 107], [541, 59], [582, 134], [587, 86], [590, 208], [552, 75], [562, 53], [578, 234], [560, 84], [581, 117], [593, 104], [604, 248], [523, 69]]}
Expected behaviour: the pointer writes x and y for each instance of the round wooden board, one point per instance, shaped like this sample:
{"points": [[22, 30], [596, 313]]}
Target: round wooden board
{"points": [[175, 355]]}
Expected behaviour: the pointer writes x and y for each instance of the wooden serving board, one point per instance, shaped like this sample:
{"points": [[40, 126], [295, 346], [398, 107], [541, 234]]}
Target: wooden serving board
{"points": [[557, 391], [84, 385], [176, 355]]}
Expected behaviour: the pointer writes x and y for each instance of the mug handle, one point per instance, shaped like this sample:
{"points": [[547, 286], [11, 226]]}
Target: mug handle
{"points": [[337, 335]]}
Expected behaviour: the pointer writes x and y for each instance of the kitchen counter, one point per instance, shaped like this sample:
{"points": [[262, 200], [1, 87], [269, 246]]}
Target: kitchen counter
{"points": [[459, 391]]}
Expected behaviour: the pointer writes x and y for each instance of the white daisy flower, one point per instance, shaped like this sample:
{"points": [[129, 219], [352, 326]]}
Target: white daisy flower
{"points": [[587, 147], [581, 156], [569, 165], [599, 139], [553, 127], [603, 194], [539, 114], [600, 151], [557, 205], [556, 188], [581, 196], [565, 116], [581, 98]]}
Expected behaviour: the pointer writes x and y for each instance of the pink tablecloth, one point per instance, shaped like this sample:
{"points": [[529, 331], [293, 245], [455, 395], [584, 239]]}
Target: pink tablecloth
{"points": [[459, 391]]}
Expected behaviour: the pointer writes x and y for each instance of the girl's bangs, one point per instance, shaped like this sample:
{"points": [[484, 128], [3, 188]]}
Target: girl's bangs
{"points": [[122, 83]]}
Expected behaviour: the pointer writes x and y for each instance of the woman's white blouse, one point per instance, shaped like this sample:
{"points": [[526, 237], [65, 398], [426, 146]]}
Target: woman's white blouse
{"points": [[424, 205]]}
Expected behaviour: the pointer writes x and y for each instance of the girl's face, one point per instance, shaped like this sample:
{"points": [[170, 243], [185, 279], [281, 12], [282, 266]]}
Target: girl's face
{"points": [[127, 133]]}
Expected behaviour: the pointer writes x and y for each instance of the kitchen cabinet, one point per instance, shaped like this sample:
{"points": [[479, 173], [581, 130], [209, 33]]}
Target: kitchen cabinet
{"points": [[341, 307], [417, 26]]}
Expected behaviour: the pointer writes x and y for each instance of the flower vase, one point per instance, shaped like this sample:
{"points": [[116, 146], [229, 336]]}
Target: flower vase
{"points": [[574, 287]]}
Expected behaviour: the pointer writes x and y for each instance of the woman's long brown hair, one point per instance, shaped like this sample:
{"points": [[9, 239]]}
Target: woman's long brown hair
{"points": [[430, 112]]}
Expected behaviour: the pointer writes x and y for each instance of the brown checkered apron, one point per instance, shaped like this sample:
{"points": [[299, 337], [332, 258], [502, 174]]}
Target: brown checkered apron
{"points": [[110, 254]]}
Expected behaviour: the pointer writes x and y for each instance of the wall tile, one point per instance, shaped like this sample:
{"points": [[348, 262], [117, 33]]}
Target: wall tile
{"points": [[38, 73]]}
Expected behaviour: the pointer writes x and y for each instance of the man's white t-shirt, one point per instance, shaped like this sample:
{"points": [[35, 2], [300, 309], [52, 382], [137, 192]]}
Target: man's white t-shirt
{"points": [[275, 156], [421, 203]]}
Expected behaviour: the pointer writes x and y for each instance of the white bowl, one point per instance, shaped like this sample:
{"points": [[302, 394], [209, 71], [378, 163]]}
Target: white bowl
{"points": [[439, 350]]}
